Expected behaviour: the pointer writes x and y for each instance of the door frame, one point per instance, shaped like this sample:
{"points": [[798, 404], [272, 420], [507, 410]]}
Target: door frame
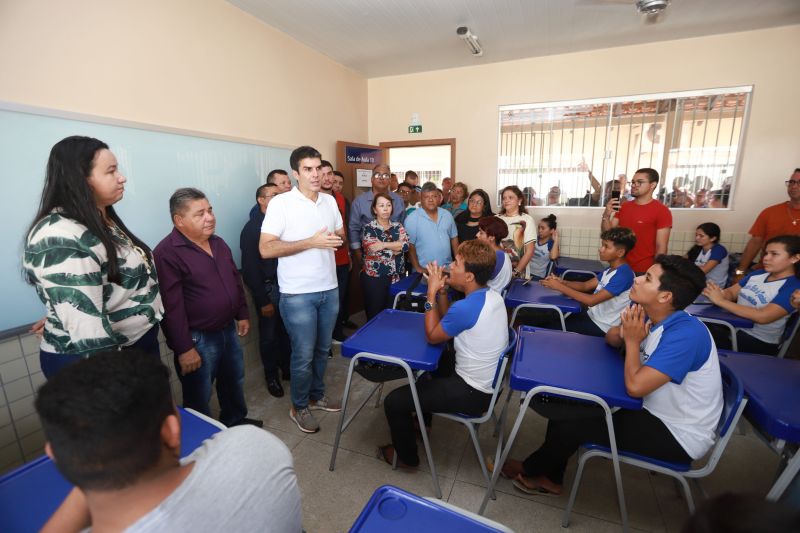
{"points": [[426, 142]]}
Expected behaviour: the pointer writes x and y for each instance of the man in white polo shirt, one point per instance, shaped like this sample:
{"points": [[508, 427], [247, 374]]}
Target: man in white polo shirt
{"points": [[303, 228]]}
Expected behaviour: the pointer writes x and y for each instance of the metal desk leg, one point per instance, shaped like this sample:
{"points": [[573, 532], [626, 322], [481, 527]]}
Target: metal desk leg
{"points": [[786, 477], [340, 428], [421, 419], [538, 306]]}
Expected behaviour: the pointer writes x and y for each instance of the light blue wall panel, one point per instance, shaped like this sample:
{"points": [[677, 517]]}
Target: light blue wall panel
{"points": [[155, 163]]}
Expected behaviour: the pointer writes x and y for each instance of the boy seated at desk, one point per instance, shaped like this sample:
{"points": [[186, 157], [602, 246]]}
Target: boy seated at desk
{"points": [[480, 326], [607, 297], [670, 362], [114, 433]]}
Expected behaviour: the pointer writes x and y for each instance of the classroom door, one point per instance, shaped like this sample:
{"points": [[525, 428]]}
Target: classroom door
{"points": [[355, 161]]}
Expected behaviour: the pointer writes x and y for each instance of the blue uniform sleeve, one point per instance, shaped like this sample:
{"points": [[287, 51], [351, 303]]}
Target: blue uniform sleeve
{"points": [[550, 244], [463, 314], [784, 296], [681, 350], [718, 253], [621, 282]]}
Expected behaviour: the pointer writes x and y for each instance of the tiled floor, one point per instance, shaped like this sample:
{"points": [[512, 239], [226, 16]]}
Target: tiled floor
{"points": [[333, 500]]}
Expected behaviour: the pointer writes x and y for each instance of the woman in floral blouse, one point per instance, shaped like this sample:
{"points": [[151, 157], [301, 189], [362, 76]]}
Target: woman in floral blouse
{"points": [[383, 243], [95, 278]]}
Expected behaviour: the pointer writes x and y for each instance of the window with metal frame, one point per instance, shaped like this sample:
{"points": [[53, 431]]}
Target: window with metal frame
{"points": [[575, 153]]}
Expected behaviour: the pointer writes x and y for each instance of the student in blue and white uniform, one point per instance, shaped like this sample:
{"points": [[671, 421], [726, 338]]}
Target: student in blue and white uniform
{"points": [[672, 366], [709, 255], [764, 296], [605, 297], [479, 325], [492, 231], [545, 247]]}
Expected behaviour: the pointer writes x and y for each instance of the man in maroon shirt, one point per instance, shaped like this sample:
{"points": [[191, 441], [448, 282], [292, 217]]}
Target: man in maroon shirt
{"points": [[204, 308], [649, 219]]}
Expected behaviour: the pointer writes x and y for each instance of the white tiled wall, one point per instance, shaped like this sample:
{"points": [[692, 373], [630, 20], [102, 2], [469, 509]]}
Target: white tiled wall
{"points": [[21, 437], [584, 242]]}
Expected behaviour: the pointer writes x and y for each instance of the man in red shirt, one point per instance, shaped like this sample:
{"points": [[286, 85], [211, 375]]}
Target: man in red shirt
{"points": [[649, 219], [778, 219], [342, 254]]}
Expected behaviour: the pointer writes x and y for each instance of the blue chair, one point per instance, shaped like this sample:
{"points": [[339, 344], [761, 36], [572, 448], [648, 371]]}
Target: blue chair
{"points": [[472, 423], [733, 405], [789, 333]]}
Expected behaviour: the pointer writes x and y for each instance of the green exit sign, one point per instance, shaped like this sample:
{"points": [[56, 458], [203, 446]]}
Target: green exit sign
{"points": [[415, 129]]}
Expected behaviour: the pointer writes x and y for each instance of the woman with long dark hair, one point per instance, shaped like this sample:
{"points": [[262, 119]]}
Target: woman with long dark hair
{"points": [[521, 240], [94, 276], [478, 206]]}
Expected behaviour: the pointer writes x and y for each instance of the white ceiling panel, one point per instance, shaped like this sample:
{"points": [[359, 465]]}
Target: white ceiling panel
{"points": [[388, 37]]}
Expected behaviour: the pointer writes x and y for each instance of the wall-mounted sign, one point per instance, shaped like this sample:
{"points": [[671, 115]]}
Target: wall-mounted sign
{"points": [[363, 177], [362, 156], [415, 129]]}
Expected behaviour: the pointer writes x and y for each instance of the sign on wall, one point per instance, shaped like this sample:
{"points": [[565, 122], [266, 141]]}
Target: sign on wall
{"points": [[357, 155]]}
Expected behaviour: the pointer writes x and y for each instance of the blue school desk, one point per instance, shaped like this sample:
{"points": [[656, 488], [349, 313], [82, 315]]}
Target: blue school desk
{"points": [[772, 387], [572, 365], [30, 494], [575, 263], [393, 510], [529, 294], [717, 313], [395, 337]]}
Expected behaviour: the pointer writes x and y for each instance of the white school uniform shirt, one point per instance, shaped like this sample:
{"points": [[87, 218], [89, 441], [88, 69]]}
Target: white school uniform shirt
{"points": [[541, 258], [618, 281], [690, 403], [757, 292], [718, 274], [291, 216], [501, 276], [479, 324]]}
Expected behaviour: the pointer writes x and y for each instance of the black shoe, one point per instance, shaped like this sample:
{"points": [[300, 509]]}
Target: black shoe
{"points": [[338, 338], [274, 387], [249, 422], [330, 354], [349, 324]]}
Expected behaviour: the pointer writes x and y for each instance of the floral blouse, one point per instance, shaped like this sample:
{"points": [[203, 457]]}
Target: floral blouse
{"points": [[382, 263]]}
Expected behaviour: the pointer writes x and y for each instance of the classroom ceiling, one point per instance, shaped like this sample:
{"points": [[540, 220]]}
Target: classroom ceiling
{"points": [[388, 37]]}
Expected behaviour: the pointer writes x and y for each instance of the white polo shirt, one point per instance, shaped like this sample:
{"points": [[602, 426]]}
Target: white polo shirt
{"points": [[293, 217]]}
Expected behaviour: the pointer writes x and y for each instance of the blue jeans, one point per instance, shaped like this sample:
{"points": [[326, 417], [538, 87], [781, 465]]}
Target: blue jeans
{"points": [[309, 319], [222, 360]]}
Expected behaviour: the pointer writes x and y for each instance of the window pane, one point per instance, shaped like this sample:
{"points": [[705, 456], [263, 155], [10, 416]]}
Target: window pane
{"points": [[691, 138]]}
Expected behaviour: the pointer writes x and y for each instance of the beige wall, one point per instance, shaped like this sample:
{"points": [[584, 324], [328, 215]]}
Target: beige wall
{"points": [[462, 103], [200, 65]]}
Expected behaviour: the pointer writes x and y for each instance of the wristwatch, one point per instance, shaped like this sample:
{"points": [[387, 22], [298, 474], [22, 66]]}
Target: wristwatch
{"points": [[739, 272], [428, 306]]}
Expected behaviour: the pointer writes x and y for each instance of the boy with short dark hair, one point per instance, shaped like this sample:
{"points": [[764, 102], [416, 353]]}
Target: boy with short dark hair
{"points": [[605, 297], [113, 431]]}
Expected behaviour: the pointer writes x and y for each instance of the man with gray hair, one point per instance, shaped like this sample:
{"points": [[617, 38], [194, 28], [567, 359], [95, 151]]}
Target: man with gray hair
{"points": [[431, 232], [204, 308], [361, 207]]}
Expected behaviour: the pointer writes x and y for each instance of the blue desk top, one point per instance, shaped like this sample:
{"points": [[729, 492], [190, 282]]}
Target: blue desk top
{"points": [[712, 311], [404, 283], [575, 263], [570, 361], [398, 334], [772, 387], [392, 510], [32, 492], [534, 293]]}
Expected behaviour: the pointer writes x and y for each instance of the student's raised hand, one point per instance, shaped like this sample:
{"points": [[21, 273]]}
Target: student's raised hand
{"points": [[436, 277], [795, 301], [325, 239], [633, 325], [714, 293]]}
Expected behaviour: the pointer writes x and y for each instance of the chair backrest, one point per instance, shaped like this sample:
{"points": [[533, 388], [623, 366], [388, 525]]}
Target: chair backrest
{"points": [[501, 363], [733, 403], [732, 395], [572, 274], [789, 333]]}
